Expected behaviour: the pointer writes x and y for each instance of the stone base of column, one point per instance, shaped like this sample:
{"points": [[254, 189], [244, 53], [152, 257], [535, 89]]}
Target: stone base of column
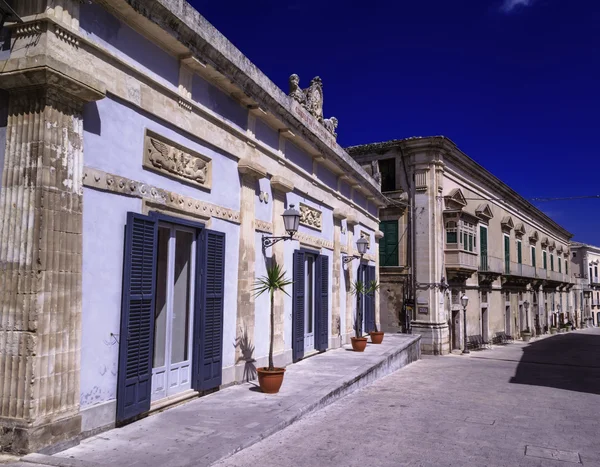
{"points": [[435, 337], [17, 438]]}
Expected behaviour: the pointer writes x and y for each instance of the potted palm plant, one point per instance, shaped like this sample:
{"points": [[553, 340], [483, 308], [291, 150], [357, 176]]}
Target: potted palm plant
{"points": [[360, 289], [377, 335], [270, 378]]}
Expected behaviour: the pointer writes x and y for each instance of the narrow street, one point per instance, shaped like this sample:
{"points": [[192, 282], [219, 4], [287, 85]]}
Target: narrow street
{"points": [[519, 405]]}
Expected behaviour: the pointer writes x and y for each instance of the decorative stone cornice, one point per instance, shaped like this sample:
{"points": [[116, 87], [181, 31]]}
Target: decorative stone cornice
{"points": [[312, 241], [484, 212], [281, 184], [98, 179], [252, 169], [507, 223], [339, 214], [379, 235], [312, 100]]}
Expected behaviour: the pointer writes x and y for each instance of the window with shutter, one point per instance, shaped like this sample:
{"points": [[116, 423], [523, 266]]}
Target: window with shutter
{"points": [[545, 259], [369, 300], [209, 346], [507, 254], [298, 307], [551, 262], [137, 317], [559, 265], [322, 295], [533, 259], [388, 245], [483, 250]]}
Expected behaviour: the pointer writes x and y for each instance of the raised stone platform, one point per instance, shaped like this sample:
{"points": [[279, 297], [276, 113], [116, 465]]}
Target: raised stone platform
{"points": [[214, 427]]}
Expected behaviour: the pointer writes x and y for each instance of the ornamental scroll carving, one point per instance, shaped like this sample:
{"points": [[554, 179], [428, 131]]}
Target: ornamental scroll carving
{"points": [[310, 216], [167, 157], [311, 99]]}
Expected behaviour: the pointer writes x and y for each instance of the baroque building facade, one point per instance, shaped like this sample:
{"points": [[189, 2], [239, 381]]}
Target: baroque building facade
{"points": [[143, 160], [452, 228], [585, 260]]}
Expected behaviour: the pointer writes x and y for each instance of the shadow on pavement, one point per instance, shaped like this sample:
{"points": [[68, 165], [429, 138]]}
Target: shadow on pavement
{"points": [[570, 361]]}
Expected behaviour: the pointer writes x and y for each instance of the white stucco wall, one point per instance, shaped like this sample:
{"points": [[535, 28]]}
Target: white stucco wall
{"points": [[104, 220], [116, 145]]}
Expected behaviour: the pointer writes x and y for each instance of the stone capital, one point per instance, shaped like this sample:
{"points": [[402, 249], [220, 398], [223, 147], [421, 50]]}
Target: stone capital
{"points": [[251, 169], [281, 184], [351, 220], [65, 80], [339, 214]]}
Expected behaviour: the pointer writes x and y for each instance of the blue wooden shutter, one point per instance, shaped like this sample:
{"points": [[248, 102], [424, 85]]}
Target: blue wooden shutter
{"points": [[370, 301], [360, 275], [298, 307], [134, 382], [322, 295], [208, 338]]}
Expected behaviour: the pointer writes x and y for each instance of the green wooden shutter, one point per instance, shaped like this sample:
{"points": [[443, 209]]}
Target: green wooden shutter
{"points": [[507, 254], [545, 258], [388, 246], [483, 252], [551, 262], [533, 256], [559, 265], [519, 253]]}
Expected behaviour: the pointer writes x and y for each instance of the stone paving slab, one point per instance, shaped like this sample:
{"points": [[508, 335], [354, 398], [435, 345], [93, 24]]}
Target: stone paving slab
{"points": [[216, 426], [438, 412]]}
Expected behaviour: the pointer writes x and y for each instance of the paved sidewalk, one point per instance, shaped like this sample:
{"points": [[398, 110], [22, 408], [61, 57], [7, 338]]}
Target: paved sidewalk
{"points": [[213, 427], [531, 404]]}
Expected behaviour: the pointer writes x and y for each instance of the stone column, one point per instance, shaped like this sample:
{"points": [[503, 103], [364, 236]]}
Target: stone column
{"points": [[250, 173], [279, 187], [40, 257], [350, 299], [336, 329]]}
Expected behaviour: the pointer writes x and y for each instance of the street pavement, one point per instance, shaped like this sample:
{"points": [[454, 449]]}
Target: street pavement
{"points": [[535, 404]]}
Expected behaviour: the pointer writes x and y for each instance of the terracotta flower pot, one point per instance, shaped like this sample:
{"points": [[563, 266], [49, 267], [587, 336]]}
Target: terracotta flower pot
{"points": [[526, 336], [376, 337], [553, 330], [270, 381], [359, 343]]}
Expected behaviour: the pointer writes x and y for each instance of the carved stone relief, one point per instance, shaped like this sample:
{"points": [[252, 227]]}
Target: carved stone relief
{"points": [[167, 157], [311, 99], [310, 216]]}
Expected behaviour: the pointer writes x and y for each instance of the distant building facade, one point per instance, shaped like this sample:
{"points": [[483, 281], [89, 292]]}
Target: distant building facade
{"points": [[585, 260], [143, 160], [471, 234]]}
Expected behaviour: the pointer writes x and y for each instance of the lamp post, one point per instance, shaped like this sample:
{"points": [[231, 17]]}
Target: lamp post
{"points": [[464, 300], [362, 245], [526, 306], [291, 222]]}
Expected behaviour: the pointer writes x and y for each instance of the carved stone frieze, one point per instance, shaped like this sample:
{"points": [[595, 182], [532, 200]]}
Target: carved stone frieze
{"points": [[113, 183], [310, 217], [263, 226], [164, 156], [311, 99], [311, 240]]}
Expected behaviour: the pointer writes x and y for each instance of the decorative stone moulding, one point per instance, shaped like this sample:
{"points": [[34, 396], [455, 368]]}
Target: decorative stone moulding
{"points": [[339, 214], [351, 220], [95, 178], [251, 168], [484, 212], [66, 36], [169, 158], [310, 217], [507, 223], [311, 99], [263, 226], [312, 241], [364, 234], [379, 235]]}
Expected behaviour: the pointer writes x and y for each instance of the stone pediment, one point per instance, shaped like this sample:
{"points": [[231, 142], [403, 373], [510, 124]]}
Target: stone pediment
{"points": [[455, 199], [534, 237], [551, 245], [311, 99], [520, 229], [507, 223], [545, 241], [484, 212], [169, 158]]}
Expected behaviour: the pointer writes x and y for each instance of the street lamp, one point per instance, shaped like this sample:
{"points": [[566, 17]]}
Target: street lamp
{"points": [[464, 300], [362, 245], [526, 305], [291, 221]]}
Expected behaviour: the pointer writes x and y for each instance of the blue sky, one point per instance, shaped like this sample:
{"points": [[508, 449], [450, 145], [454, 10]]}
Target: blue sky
{"points": [[514, 83]]}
